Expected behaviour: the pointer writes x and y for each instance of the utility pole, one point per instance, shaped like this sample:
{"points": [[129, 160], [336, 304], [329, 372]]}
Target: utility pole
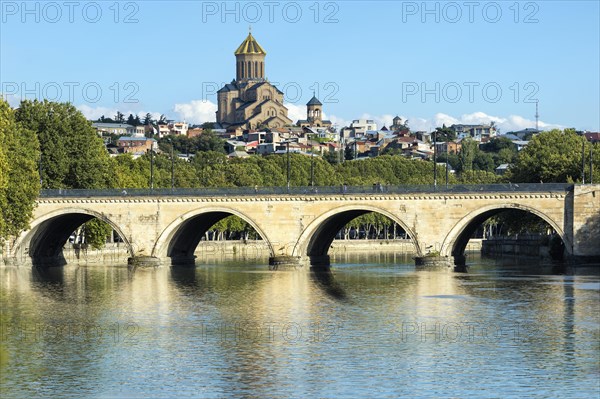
{"points": [[434, 159], [591, 163], [583, 162], [312, 166], [287, 144], [447, 165], [151, 167], [172, 169]]}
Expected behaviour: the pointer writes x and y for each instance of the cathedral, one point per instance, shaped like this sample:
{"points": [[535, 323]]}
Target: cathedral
{"points": [[250, 101]]}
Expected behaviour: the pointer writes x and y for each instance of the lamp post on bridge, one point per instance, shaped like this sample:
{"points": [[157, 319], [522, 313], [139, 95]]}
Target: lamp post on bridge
{"points": [[591, 163], [172, 166], [312, 165], [151, 166], [287, 145], [434, 159], [583, 161]]}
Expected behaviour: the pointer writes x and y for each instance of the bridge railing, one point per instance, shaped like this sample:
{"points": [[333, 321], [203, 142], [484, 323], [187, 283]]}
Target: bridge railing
{"points": [[321, 190]]}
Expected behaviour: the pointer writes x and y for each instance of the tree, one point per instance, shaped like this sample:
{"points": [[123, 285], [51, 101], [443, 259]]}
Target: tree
{"points": [[333, 157], [484, 161], [444, 134], [96, 232], [131, 120], [349, 153], [119, 117], [553, 156], [19, 180], [468, 152], [209, 141], [148, 119], [73, 156]]}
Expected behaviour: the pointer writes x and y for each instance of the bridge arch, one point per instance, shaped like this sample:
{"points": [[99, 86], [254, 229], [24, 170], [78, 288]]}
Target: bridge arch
{"points": [[316, 238], [48, 233], [180, 238], [456, 240]]}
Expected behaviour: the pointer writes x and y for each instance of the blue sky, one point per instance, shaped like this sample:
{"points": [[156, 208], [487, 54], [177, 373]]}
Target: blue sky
{"points": [[430, 63]]}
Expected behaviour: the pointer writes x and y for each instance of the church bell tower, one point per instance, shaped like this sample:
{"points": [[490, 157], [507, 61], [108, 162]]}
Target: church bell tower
{"points": [[250, 60]]}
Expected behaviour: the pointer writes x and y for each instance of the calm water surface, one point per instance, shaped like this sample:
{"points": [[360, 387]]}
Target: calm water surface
{"points": [[374, 327]]}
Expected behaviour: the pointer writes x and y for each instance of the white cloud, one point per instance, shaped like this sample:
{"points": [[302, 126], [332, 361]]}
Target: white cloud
{"points": [[380, 120], [295, 112], [94, 113], [196, 111], [337, 121], [505, 124]]}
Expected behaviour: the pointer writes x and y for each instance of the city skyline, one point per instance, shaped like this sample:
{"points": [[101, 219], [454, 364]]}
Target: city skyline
{"points": [[430, 63]]}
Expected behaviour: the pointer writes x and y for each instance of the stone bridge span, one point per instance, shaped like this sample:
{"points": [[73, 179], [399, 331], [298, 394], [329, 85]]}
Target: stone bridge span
{"points": [[298, 226]]}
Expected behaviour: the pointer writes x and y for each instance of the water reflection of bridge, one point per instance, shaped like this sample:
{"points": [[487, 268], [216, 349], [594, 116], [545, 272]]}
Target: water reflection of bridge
{"points": [[300, 224]]}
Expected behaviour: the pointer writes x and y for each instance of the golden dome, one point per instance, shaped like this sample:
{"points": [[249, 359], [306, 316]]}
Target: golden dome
{"points": [[250, 46]]}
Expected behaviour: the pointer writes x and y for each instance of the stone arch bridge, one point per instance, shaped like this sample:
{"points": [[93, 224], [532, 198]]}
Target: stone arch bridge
{"points": [[162, 225]]}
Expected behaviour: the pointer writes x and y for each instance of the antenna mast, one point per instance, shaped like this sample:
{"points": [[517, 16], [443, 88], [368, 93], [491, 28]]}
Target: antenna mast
{"points": [[537, 115]]}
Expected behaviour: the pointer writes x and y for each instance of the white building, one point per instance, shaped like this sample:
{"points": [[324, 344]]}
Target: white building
{"points": [[364, 124], [178, 128]]}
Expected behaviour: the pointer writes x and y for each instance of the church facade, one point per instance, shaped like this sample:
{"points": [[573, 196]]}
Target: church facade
{"points": [[250, 101]]}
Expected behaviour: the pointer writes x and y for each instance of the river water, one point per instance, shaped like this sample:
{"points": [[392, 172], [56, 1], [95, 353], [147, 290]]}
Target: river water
{"points": [[374, 327]]}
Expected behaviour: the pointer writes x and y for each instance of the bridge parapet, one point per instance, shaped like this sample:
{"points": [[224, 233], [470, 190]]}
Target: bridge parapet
{"points": [[312, 191]]}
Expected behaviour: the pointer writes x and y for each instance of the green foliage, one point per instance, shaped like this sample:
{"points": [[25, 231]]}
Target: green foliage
{"points": [[466, 156], [73, 156], [515, 221], [209, 141], [234, 228], [444, 134], [373, 225], [19, 179], [385, 169], [553, 156], [453, 159], [349, 153], [96, 233], [483, 161], [479, 177], [497, 144]]}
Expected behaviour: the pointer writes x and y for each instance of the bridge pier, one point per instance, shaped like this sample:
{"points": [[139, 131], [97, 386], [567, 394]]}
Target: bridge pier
{"points": [[284, 260], [426, 262], [144, 261]]}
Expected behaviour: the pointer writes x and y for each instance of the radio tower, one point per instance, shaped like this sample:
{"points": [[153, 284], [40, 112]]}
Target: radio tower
{"points": [[537, 115]]}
